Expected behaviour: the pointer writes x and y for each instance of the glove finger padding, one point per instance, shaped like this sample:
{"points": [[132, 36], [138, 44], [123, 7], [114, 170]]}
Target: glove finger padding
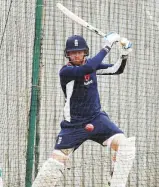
{"points": [[125, 47], [125, 43], [111, 38]]}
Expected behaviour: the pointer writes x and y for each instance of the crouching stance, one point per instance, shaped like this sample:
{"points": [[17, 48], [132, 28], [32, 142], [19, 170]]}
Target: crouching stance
{"points": [[83, 117], [53, 168]]}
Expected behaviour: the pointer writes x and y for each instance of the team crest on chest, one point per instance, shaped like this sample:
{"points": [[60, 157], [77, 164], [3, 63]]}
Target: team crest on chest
{"points": [[87, 80], [87, 77]]}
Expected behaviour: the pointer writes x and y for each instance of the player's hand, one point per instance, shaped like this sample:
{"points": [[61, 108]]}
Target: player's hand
{"points": [[125, 43], [125, 47], [111, 38]]}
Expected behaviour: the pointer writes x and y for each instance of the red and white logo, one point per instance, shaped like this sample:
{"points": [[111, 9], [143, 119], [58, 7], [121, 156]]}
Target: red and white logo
{"points": [[87, 77]]}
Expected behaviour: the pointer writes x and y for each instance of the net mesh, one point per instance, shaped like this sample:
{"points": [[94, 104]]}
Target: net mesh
{"points": [[130, 99], [16, 37]]}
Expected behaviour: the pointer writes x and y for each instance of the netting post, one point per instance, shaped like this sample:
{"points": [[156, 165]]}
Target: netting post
{"points": [[34, 94]]}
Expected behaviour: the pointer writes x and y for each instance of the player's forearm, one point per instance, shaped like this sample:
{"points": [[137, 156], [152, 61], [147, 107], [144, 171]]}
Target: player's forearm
{"points": [[116, 69], [104, 66], [122, 67]]}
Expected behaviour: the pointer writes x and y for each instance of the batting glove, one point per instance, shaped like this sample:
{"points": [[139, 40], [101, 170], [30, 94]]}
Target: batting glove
{"points": [[125, 47], [111, 38]]}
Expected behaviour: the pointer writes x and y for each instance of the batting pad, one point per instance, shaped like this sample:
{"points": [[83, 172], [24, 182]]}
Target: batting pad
{"points": [[49, 174], [124, 161]]}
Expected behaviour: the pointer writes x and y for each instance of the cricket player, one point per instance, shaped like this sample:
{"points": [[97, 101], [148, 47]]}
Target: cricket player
{"points": [[83, 117]]}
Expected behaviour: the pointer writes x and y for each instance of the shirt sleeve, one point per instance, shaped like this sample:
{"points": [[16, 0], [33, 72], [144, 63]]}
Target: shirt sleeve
{"points": [[90, 66], [110, 69], [104, 66]]}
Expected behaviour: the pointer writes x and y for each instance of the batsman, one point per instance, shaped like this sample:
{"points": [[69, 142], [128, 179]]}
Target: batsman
{"points": [[83, 116]]}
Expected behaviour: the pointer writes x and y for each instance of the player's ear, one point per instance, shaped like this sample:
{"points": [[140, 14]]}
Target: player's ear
{"points": [[86, 52], [66, 53]]}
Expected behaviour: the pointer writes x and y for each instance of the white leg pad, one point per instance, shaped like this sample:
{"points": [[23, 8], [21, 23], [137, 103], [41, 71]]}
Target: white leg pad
{"points": [[124, 161], [49, 174]]}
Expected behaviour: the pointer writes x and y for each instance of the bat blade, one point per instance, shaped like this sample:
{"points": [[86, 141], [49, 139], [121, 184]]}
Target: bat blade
{"points": [[78, 20]]}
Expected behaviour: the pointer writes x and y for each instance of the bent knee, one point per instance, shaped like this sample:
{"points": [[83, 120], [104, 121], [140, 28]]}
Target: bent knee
{"points": [[117, 140], [120, 140], [60, 156]]}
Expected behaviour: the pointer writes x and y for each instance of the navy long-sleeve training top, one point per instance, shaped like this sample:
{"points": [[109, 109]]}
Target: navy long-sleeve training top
{"points": [[79, 84]]}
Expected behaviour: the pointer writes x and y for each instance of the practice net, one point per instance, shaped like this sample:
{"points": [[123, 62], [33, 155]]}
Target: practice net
{"points": [[131, 99], [17, 20]]}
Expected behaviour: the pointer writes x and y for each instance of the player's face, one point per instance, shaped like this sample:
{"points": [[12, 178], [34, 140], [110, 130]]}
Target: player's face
{"points": [[77, 57]]}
